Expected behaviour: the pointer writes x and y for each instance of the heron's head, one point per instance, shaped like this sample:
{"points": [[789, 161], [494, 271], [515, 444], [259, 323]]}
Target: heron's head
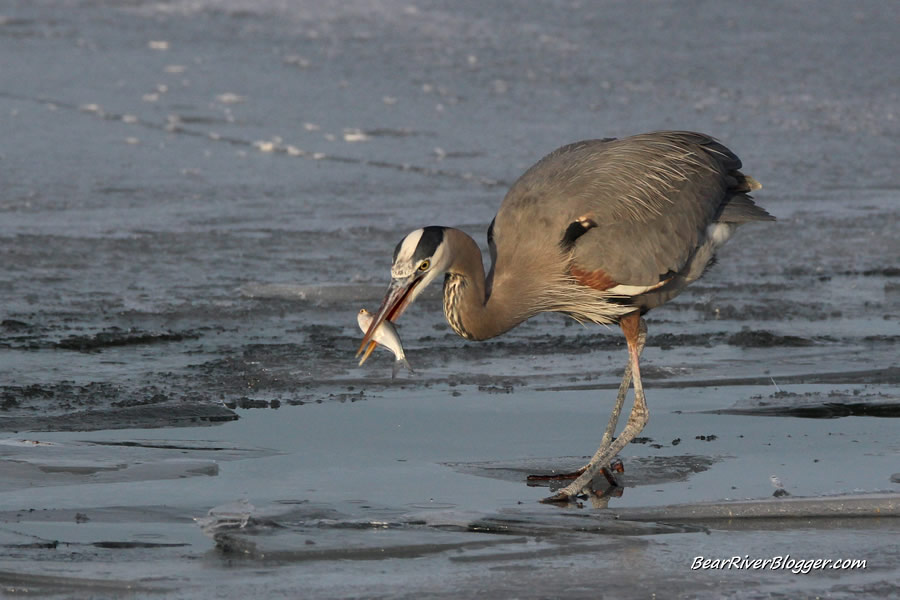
{"points": [[418, 259]]}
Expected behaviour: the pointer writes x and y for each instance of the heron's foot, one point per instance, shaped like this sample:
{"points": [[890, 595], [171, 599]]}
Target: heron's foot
{"points": [[598, 498], [615, 465], [610, 492], [613, 491], [559, 498]]}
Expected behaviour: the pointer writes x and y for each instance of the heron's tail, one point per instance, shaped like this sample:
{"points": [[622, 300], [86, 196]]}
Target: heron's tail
{"points": [[739, 207]]}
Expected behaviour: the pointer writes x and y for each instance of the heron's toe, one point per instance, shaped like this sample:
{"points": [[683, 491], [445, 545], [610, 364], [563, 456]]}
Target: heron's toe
{"points": [[558, 498]]}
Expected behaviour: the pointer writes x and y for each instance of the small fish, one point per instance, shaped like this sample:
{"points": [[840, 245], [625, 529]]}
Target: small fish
{"points": [[385, 335]]}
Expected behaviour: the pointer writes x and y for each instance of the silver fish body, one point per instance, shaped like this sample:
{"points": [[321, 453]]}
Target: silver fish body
{"points": [[386, 336]]}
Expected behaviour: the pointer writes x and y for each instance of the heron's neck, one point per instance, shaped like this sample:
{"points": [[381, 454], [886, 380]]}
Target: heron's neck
{"points": [[469, 311]]}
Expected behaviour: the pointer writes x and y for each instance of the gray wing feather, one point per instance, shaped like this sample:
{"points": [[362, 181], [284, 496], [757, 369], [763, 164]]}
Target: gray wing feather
{"points": [[641, 252], [651, 197]]}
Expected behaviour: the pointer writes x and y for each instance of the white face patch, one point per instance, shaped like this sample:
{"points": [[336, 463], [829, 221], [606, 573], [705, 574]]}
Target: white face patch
{"points": [[403, 258]]}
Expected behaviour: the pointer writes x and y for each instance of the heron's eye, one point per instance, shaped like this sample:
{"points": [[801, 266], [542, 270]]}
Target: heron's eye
{"points": [[424, 266]]}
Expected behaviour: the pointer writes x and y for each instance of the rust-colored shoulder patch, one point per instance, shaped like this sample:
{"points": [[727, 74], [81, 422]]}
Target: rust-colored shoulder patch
{"points": [[597, 279]]}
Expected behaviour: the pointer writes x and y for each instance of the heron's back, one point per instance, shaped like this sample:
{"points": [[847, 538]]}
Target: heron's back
{"points": [[647, 203]]}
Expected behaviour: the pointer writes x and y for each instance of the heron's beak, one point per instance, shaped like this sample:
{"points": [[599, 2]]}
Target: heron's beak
{"points": [[398, 297], [367, 353]]}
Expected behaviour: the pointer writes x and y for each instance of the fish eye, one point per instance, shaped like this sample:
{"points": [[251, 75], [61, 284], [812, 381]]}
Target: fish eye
{"points": [[424, 266]]}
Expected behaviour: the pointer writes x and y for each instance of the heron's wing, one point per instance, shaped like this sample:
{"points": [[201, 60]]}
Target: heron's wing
{"points": [[644, 203], [646, 231]]}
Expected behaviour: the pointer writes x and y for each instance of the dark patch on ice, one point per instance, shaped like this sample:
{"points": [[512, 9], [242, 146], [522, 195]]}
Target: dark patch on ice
{"points": [[397, 133], [200, 120], [118, 337], [818, 405], [776, 310], [20, 335], [74, 470], [885, 272], [281, 367], [801, 270], [668, 341], [103, 405], [882, 339], [536, 345], [14, 325], [765, 339], [134, 417], [542, 524], [247, 403], [744, 339], [191, 445], [68, 395], [122, 545], [496, 389], [51, 545], [889, 375], [877, 505]]}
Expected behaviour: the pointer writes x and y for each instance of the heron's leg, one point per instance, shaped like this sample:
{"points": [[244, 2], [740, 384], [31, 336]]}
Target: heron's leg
{"points": [[638, 418], [606, 440]]}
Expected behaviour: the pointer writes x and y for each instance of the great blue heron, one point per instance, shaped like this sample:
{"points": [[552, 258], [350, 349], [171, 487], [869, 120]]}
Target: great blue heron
{"points": [[600, 230]]}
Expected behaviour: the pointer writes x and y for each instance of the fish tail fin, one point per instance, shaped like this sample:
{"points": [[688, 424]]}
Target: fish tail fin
{"points": [[400, 362]]}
